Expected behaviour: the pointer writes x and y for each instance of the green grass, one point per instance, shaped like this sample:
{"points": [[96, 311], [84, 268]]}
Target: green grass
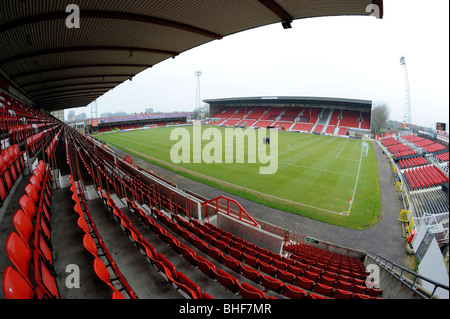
{"points": [[316, 175]]}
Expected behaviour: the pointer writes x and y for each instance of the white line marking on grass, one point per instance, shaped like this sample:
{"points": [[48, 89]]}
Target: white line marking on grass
{"points": [[340, 152], [249, 190], [278, 154], [317, 169], [356, 183]]}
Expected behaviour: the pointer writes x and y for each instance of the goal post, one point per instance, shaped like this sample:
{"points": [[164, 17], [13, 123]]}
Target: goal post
{"points": [[364, 149]]}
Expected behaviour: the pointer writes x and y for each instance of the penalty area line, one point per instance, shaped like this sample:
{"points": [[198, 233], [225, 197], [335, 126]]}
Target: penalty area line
{"points": [[356, 183]]}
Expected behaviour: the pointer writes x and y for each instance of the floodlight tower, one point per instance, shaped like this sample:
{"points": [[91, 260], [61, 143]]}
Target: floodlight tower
{"points": [[407, 105], [94, 114], [198, 74]]}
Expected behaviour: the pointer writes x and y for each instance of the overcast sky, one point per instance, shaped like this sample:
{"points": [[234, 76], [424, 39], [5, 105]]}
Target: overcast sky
{"points": [[345, 57]]}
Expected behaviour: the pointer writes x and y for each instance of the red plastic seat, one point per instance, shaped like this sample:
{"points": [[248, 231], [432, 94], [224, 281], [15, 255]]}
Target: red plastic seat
{"points": [[314, 296], [293, 292], [268, 269], [285, 276], [360, 296], [15, 286], [310, 275], [249, 292], [227, 280], [83, 225], [250, 260], [188, 286], [23, 226], [341, 294], [326, 281], [102, 272], [323, 289], [43, 247], [235, 253], [295, 270], [35, 182], [358, 289], [20, 255], [251, 274], [343, 285], [188, 253], [373, 292], [5, 172], [214, 253], [89, 245], [27, 206], [206, 266], [31, 192], [3, 189], [117, 295], [272, 283], [231, 263], [304, 283]]}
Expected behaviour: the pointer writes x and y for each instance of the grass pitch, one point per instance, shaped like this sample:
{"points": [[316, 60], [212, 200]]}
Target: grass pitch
{"points": [[317, 176]]}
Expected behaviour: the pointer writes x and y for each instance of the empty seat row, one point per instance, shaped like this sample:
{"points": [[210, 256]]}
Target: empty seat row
{"points": [[29, 248], [94, 244], [290, 282], [425, 176], [159, 261], [11, 166], [443, 157], [411, 162], [241, 249]]}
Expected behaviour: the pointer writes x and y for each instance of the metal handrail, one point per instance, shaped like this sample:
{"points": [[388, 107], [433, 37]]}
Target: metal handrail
{"points": [[413, 284]]}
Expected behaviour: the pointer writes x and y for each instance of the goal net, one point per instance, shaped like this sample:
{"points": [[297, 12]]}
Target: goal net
{"points": [[364, 149]]}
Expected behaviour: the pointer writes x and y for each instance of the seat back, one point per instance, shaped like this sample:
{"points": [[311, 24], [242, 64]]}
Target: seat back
{"points": [[27, 206], [249, 292], [102, 272], [19, 254], [32, 193], [293, 292], [3, 189], [45, 279], [83, 225], [23, 226], [15, 286], [35, 182]]}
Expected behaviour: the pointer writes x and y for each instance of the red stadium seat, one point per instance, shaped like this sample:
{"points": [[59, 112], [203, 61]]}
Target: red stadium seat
{"points": [[293, 292], [15, 286], [249, 292]]}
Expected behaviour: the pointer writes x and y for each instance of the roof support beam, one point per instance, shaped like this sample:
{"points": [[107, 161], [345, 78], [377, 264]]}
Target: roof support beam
{"points": [[71, 67], [78, 78], [279, 11], [99, 14], [86, 48], [70, 92], [62, 88], [70, 97]]}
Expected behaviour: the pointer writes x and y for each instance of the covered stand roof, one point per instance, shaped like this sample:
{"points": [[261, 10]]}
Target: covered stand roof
{"points": [[60, 67]]}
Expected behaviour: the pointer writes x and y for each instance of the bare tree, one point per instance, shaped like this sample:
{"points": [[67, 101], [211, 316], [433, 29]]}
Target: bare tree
{"points": [[380, 115]]}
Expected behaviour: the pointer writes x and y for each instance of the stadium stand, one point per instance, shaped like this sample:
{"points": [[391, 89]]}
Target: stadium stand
{"points": [[135, 237], [244, 269], [300, 114]]}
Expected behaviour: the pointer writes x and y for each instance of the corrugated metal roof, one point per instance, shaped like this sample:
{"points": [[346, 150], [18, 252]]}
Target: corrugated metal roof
{"points": [[60, 68]]}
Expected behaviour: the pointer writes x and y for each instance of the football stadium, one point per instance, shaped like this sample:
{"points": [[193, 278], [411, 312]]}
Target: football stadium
{"points": [[268, 197]]}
